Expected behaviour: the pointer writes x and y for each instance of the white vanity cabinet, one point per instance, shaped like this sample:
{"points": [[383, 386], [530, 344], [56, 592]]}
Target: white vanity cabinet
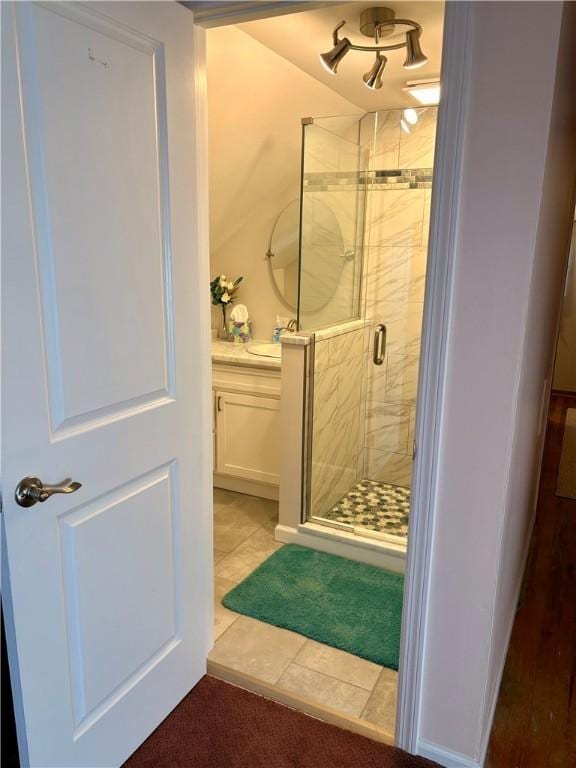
{"points": [[246, 429]]}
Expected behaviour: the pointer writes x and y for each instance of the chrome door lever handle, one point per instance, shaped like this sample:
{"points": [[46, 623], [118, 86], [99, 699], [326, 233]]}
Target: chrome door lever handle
{"points": [[31, 490]]}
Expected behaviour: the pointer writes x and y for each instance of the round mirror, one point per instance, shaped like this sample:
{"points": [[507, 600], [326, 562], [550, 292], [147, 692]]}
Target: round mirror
{"points": [[323, 255], [283, 253]]}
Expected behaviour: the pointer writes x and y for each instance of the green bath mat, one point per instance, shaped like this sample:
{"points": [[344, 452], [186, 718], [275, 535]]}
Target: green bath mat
{"points": [[348, 605]]}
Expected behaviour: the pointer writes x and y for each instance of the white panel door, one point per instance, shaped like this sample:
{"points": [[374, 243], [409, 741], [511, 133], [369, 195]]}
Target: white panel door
{"points": [[248, 436], [106, 375]]}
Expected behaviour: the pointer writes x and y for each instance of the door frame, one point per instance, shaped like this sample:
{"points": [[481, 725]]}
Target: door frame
{"points": [[447, 178], [452, 119]]}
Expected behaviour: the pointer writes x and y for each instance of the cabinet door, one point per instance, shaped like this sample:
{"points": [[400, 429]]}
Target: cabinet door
{"points": [[247, 436]]}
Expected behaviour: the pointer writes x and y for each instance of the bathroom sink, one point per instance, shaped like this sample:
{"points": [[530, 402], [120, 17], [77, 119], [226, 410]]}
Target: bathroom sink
{"points": [[265, 350]]}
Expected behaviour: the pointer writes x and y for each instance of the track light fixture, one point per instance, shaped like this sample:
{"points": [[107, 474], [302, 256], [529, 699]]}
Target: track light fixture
{"points": [[373, 78], [377, 23], [332, 58], [414, 56]]}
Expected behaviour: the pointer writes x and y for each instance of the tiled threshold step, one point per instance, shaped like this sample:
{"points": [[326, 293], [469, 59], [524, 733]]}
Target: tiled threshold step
{"points": [[299, 703]]}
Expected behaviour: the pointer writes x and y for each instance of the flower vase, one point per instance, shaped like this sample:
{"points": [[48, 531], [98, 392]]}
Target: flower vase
{"points": [[223, 330]]}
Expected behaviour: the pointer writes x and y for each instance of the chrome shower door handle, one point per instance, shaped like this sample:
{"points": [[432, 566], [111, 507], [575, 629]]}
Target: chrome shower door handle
{"points": [[379, 344], [31, 490]]}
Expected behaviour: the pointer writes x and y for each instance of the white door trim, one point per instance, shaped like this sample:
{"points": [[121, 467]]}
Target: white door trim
{"points": [[437, 309], [452, 116], [220, 14], [202, 259]]}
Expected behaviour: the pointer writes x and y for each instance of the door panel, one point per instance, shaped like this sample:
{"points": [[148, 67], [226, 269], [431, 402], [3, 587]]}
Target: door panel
{"points": [[128, 593], [94, 99], [104, 277]]}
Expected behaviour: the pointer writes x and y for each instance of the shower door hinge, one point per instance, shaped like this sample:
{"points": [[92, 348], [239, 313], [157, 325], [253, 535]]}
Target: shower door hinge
{"points": [[307, 120]]}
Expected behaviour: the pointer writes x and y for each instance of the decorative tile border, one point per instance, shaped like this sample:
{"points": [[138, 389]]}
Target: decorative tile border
{"points": [[407, 178], [420, 178], [335, 180]]}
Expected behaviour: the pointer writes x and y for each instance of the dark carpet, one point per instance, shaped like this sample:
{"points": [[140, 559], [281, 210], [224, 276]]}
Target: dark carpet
{"points": [[220, 726]]}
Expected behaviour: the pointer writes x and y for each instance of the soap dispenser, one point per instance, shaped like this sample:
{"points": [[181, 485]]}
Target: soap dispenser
{"points": [[279, 326]]}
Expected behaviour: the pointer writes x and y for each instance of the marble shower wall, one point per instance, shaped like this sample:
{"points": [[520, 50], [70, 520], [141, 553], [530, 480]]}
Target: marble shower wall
{"points": [[338, 416], [396, 241]]}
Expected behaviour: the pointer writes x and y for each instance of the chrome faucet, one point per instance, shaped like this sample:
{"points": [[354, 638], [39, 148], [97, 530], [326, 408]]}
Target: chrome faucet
{"points": [[291, 327]]}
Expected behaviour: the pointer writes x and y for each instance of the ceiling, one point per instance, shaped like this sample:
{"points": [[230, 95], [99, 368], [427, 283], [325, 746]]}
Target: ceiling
{"points": [[301, 37]]}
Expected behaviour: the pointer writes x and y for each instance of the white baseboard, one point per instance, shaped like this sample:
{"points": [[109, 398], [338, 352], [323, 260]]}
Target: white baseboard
{"points": [[344, 544], [250, 487], [445, 757]]}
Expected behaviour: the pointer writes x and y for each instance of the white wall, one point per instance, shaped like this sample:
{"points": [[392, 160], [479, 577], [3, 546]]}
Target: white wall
{"points": [[519, 168], [255, 102]]}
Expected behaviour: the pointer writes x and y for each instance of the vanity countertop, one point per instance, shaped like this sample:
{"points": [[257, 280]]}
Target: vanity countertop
{"points": [[237, 354]]}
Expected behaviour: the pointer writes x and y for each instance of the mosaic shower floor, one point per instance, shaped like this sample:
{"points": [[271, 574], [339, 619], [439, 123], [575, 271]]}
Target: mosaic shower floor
{"points": [[376, 506]]}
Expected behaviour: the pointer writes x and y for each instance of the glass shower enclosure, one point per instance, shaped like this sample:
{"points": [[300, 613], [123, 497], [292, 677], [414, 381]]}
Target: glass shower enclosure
{"points": [[365, 202], [333, 198]]}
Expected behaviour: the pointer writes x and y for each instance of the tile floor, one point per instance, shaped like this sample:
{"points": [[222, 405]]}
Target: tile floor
{"points": [[243, 538], [376, 506]]}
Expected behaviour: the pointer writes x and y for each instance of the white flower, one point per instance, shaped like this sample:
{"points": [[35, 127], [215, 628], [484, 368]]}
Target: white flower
{"points": [[225, 298], [222, 278], [230, 286]]}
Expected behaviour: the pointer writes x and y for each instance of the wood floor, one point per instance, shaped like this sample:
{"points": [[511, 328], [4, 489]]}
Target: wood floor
{"points": [[535, 721]]}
